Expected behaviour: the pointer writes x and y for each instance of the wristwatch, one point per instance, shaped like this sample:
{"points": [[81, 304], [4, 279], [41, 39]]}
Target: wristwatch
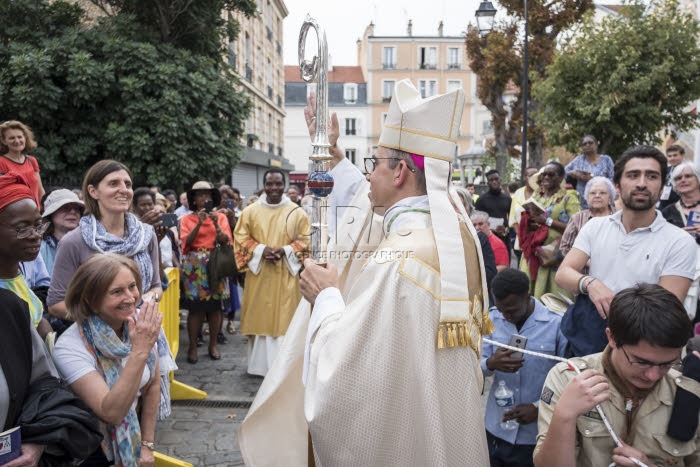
{"points": [[549, 221], [149, 444]]}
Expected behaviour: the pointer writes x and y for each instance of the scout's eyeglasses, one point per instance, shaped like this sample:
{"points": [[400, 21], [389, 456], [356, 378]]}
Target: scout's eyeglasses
{"points": [[644, 365]]}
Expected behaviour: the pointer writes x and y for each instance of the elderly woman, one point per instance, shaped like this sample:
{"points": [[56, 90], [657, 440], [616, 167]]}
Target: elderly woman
{"points": [[62, 212], [109, 359], [107, 226], [542, 225], [199, 233], [16, 141], [685, 179], [589, 164], [600, 196]]}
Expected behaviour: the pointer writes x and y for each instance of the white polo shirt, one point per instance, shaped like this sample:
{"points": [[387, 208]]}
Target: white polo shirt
{"points": [[621, 260]]}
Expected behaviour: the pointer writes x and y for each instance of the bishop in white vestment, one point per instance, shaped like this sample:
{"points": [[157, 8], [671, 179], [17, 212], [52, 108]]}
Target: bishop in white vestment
{"points": [[388, 363]]}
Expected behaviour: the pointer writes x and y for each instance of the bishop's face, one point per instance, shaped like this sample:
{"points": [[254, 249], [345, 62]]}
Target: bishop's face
{"points": [[381, 181]]}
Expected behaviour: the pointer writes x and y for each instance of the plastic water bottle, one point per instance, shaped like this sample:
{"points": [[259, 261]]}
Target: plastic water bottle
{"points": [[504, 400]]}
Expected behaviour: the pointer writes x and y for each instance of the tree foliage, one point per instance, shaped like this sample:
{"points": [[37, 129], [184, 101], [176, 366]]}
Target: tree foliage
{"points": [[497, 60], [195, 25], [104, 92], [624, 80]]}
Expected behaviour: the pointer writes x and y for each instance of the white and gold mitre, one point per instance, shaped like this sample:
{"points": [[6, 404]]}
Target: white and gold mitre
{"points": [[429, 127]]}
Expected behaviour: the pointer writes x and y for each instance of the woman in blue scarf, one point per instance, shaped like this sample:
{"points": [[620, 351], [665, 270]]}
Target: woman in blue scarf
{"points": [[109, 359]]}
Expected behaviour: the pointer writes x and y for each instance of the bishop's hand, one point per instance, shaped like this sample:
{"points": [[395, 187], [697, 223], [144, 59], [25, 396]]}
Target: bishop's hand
{"points": [[316, 278]]}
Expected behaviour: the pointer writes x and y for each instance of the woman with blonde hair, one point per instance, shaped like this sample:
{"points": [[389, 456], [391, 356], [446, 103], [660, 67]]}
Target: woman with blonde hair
{"points": [[16, 142], [109, 358]]}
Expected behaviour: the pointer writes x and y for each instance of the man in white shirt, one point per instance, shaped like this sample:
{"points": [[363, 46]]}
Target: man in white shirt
{"points": [[633, 245]]}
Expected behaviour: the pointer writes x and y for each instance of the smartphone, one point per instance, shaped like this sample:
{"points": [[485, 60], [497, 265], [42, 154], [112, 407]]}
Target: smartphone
{"points": [[230, 204], [516, 340], [209, 205], [168, 220]]}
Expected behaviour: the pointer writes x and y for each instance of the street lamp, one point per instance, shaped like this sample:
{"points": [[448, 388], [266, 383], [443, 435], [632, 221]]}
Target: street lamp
{"points": [[484, 20]]}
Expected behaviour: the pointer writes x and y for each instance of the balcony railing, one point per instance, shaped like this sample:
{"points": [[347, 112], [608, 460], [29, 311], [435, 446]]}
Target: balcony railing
{"points": [[428, 66], [454, 66], [389, 66], [386, 99]]}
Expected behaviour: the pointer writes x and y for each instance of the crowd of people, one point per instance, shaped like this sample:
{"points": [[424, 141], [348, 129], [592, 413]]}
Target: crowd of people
{"points": [[379, 356]]}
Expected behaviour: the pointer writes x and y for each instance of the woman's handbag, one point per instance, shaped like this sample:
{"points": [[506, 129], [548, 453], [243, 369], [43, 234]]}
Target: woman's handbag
{"points": [[221, 264], [549, 255]]}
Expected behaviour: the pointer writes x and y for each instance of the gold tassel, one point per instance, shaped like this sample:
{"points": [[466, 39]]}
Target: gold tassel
{"points": [[441, 336], [461, 333], [451, 336]]}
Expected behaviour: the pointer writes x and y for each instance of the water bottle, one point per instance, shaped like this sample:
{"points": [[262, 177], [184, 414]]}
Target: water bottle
{"points": [[505, 401]]}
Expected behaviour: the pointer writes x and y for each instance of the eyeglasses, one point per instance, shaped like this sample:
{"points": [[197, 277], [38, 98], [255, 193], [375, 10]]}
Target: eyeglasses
{"points": [[686, 176], [371, 163], [25, 232], [648, 365]]}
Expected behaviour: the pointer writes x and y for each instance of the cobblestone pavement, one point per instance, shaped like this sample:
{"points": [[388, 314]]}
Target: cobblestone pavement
{"points": [[204, 432]]}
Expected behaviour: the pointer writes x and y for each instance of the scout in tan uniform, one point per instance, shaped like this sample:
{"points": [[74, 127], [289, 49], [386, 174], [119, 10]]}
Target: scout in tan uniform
{"points": [[634, 380]]}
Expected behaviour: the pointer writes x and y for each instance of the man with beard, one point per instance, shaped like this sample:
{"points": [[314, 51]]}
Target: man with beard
{"points": [[268, 240], [635, 244]]}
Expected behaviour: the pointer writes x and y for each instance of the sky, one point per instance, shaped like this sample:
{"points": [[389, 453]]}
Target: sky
{"points": [[345, 22]]}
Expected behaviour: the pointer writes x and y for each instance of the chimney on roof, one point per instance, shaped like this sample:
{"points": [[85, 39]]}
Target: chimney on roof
{"points": [[441, 27], [409, 28], [369, 31]]}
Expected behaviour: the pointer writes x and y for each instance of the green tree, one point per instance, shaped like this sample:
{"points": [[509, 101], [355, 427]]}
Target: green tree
{"points": [[497, 60], [195, 25], [104, 92], [625, 80]]}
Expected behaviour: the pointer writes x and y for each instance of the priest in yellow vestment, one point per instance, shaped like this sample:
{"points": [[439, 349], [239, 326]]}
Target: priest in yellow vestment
{"points": [[269, 237], [389, 357]]}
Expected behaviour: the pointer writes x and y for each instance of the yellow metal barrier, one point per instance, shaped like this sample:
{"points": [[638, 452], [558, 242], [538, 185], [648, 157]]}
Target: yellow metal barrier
{"points": [[170, 307], [166, 461]]}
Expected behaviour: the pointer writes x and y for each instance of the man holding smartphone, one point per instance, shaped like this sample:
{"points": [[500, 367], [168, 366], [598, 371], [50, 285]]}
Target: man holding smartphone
{"points": [[518, 317]]}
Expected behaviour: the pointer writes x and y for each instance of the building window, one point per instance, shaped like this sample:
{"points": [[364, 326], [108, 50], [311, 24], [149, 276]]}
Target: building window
{"points": [[454, 61], [350, 154], [350, 93], [350, 126], [428, 58], [453, 84], [387, 90], [389, 58], [427, 87], [487, 126]]}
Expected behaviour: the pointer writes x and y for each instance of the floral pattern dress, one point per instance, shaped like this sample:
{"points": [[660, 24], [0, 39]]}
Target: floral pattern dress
{"points": [[560, 206]]}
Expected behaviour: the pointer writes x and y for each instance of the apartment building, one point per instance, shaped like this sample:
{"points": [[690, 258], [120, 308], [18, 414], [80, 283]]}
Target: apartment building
{"points": [[347, 97], [435, 64], [256, 57]]}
